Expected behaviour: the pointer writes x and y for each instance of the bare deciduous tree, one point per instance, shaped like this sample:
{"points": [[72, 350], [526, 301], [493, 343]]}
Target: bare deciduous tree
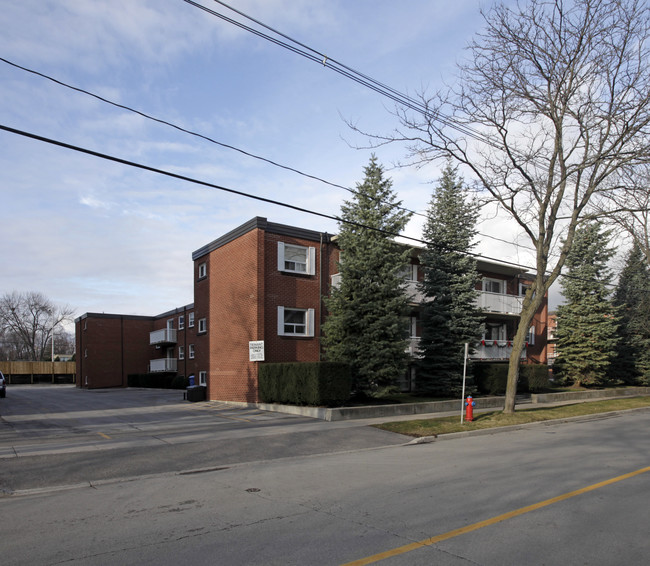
{"points": [[630, 210], [27, 321], [551, 108]]}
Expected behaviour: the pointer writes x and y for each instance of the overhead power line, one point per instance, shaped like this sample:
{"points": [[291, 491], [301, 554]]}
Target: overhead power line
{"points": [[185, 178], [246, 195], [319, 57], [216, 142]]}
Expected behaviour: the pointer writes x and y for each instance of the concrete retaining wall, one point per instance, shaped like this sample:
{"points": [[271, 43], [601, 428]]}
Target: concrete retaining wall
{"points": [[587, 395], [379, 411], [387, 411]]}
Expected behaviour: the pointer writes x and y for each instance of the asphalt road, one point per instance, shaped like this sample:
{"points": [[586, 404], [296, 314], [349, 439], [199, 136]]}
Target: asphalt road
{"points": [[555, 493]]}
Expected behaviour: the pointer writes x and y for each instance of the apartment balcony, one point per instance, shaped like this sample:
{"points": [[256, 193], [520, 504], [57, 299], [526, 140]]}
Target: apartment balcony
{"points": [[410, 287], [412, 345], [500, 303], [164, 336], [413, 292], [163, 365], [494, 350]]}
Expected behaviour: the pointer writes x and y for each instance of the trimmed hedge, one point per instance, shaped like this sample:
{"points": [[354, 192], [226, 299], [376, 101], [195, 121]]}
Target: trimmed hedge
{"points": [[306, 383], [491, 378], [157, 381]]}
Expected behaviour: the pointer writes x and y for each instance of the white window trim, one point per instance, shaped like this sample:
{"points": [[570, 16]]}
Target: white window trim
{"points": [[181, 352], [410, 272], [502, 332], [190, 320], [181, 322], [310, 256], [309, 322], [501, 282], [203, 378], [531, 336], [191, 352], [203, 270], [413, 327], [203, 325]]}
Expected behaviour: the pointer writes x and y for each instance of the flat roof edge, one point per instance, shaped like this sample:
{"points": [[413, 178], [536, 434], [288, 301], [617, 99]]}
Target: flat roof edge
{"points": [[263, 224]]}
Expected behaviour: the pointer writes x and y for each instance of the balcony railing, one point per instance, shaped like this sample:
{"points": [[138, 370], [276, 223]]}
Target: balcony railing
{"points": [[412, 347], [484, 350], [413, 291], [164, 336], [500, 303], [410, 288], [163, 364], [494, 350]]}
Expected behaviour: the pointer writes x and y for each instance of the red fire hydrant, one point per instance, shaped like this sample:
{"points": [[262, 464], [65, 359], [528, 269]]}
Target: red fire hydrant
{"points": [[469, 409]]}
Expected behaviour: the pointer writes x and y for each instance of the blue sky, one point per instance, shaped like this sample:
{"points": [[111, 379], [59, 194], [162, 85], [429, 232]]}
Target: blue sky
{"points": [[103, 237]]}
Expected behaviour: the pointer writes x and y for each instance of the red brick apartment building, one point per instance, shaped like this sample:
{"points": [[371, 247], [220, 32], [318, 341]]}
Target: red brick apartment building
{"points": [[264, 282]]}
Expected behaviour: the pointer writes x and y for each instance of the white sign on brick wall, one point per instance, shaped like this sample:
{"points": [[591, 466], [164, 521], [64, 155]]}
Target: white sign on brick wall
{"points": [[256, 351]]}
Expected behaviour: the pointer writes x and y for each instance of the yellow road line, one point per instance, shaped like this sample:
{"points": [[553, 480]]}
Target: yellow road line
{"points": [[499, 518], [104, 435]]}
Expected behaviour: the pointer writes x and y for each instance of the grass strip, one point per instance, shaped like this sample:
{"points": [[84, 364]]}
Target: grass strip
{"points": [[494, 419]]}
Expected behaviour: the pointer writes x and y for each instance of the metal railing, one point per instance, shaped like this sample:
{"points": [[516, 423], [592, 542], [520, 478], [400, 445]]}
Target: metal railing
{"points": [[500, 303], [163, 364], [163, 336]]}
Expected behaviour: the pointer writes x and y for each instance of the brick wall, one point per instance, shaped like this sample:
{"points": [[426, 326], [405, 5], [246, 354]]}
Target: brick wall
{"points": [[229, 298], [110, 347]]}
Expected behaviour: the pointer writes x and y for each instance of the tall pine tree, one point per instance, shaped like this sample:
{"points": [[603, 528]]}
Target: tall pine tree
{"points": [[632, 297], [587, 323], [450, 317], [365, 326]]}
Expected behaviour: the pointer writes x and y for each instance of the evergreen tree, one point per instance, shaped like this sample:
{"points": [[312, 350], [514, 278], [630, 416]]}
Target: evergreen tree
{"points": [[365, 326], [587, 323], [632, 297], [450, 316]]}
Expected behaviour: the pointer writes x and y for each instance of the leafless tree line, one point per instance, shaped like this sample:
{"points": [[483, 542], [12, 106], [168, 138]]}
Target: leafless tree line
{"points": [[29, 322]]}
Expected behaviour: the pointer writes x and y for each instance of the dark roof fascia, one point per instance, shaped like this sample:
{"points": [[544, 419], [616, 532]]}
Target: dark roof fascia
{"points": [[263, 224], [178, 310], [112, 315]]}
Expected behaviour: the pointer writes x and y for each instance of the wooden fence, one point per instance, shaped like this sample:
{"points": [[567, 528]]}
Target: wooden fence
{"points": [[39, 372]]}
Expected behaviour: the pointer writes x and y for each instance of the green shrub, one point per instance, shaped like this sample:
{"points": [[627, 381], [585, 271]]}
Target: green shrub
{"points": [[150, 380], [535, 376], [308, 383], [492, 378], [180, 382]]}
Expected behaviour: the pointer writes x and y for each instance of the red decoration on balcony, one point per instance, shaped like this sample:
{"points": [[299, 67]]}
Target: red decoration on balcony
{"points": [[482, 342]]}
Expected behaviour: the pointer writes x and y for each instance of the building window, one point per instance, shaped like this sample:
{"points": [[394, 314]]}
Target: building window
{"points": [[190, 320], [181, 322], [409, 272], [203, 325], [531, 336], [413, 326], [296, 259], [203, 378], [495, 331], [181, 352], [494, 286], [203, 270], [191, 352], [295, 322]]}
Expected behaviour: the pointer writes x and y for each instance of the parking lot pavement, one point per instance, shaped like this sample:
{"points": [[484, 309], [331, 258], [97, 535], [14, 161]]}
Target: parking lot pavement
{"points": [[59, 435], [45, 419]]}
